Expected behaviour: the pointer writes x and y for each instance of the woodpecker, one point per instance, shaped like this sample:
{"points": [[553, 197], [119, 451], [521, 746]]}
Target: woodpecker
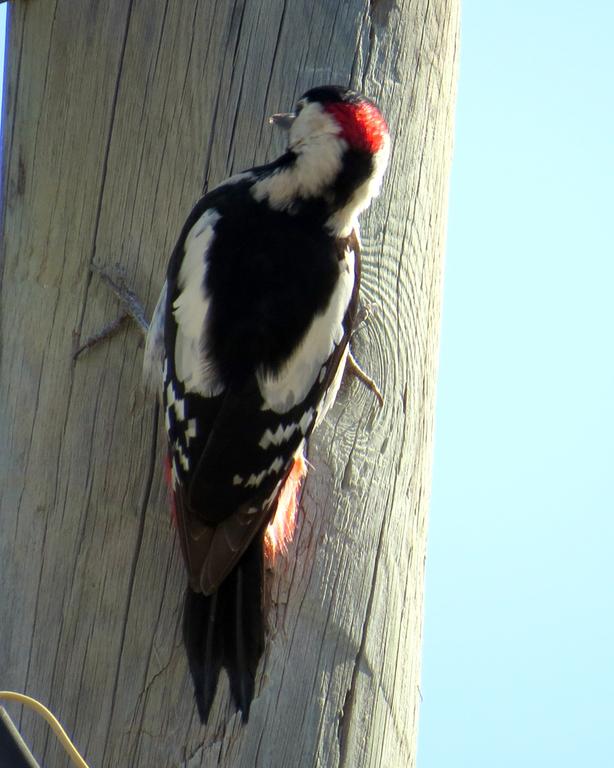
{"points": [[248, 343]]}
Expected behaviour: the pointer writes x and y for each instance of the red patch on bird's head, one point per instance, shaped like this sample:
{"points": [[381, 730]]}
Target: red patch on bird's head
{"points": [[361, 123]]}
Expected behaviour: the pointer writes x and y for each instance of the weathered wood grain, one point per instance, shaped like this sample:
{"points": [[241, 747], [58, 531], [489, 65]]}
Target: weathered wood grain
{"points": [[116, 116]]}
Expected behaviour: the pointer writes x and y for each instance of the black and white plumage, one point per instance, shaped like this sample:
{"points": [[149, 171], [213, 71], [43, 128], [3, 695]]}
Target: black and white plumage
{"points": [[251, 335]]}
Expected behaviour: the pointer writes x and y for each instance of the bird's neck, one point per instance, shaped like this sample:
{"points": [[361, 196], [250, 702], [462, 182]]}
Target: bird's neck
{"points": [[343, 180]]}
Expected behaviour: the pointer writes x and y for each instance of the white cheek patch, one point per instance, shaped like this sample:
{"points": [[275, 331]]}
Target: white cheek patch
{"points": [[290, 386], [342, 222], [319, 149], [192, 368]]}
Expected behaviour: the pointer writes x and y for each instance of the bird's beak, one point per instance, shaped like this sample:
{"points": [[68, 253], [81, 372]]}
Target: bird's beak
{"points": [[283, 120]]}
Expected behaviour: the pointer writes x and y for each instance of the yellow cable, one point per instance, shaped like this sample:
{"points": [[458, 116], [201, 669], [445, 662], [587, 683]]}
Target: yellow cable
{"points": [[54, 724]]}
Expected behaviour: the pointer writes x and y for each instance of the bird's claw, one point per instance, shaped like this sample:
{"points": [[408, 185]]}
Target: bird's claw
{"points": [[354, 369], [115, 278]]}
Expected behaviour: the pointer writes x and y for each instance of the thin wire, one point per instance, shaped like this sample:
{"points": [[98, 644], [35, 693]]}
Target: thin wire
{"points": [[53, 722]]}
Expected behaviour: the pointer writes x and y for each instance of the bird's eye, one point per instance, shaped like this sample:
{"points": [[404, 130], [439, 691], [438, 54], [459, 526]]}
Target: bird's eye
{"points": [[299, 106]]}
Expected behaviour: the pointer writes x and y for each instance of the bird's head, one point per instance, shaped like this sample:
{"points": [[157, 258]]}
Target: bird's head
{"points": [[340, 145], [335, 112]]}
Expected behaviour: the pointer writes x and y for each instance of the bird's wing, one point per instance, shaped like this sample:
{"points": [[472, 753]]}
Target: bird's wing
{"points": [[233, 447], [253, 432]]}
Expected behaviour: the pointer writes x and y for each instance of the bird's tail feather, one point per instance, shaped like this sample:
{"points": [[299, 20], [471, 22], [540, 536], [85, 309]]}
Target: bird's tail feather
{"points": [[226, 629]]}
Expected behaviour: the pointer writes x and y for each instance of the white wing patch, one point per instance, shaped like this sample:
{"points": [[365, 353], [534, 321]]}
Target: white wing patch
{"points": [[179, 406], [190, 432], [170, 394], [192, 368], [306, 420], [183, 459], [154, 347], [281, 435], [290, 386], [254, 480]]}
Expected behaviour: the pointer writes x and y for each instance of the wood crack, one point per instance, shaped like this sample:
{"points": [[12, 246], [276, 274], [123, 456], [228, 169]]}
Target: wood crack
{"points": [[345, 719], [135, 559], [13, 133], [105, 164]]}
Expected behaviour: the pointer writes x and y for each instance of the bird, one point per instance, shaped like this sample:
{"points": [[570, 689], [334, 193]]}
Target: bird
{"points": [[247, 345]]}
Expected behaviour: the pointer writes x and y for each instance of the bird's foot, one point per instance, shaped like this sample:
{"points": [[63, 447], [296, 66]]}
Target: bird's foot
{"points": [[115, 278], [354, 369]]}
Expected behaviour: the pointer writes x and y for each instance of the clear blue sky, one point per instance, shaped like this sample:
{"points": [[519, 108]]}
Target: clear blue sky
{"points": [[519, 634], [518, 663]]}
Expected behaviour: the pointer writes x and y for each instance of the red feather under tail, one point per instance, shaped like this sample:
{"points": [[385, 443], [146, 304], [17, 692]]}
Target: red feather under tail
{"points": [[281, 528]]}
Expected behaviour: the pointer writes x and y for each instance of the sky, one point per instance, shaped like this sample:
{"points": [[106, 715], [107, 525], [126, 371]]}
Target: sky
{"points": [[518, 654], [518, 663]]}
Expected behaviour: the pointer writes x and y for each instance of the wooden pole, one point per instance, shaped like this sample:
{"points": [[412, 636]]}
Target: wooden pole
{"points": [[116, 115]]}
